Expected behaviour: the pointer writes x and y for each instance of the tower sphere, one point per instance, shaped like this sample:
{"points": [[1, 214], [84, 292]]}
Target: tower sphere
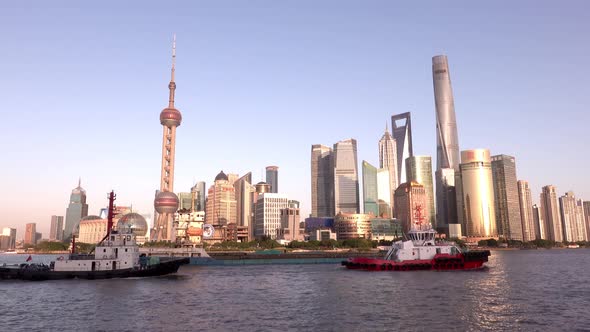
{"points": [[135, 222], [170, 117], [166, 202]]}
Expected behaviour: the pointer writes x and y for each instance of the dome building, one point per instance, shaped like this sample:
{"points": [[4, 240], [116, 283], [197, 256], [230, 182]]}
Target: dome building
{"points": [[221, 202]]}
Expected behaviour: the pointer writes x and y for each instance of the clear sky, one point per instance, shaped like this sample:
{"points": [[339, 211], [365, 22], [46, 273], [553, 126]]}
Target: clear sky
{"points": [[259, 82]]}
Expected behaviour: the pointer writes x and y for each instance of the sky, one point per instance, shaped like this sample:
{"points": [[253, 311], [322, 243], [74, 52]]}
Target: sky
{"points": [[258, 82]]}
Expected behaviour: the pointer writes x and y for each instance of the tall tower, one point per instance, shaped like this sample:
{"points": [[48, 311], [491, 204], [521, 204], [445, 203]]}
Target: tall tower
{"points": [[526, 211], [272, 178], [77, 209], [346, 183], [388, 160], [166, 202], [447, 142], [509, 220], [401, 126], [322, 181], [551, 214], [419, 169]]}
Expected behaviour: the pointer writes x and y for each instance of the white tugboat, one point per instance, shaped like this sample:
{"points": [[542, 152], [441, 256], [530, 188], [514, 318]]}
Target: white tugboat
{"points": [[116, 256]]}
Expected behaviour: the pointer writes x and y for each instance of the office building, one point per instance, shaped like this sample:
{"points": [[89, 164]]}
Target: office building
{"points": [[370, 189], [586, 207], [540, 228], [322, 181], [267, 214], [245, 203], [476, 192], [384, 193], [412, 206], [551, 214], [290, 229], [386, 229], [221, 202], [30, 234], [77, 209], [186, 201], [56, 229], [9, 236], [346, 184], [352, 226], [200, 192], [388, 161], [526, 211], [272, 178], [507, 209], [572, 218], [447, 143], [401, 127], [419, 169]]}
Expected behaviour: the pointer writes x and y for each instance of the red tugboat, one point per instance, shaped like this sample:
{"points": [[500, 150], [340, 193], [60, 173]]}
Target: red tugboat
{"points": [[421, 252]]}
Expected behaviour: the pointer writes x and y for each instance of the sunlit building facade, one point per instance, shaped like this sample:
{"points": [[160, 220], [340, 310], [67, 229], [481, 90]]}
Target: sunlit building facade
{"points": [[346, 184], [30, 234], [77, 209], [507, 209], [411, 206], [384, 193], [221, 202], [586, 207], [388, 161], [540, 228], [401, 127], [267, 214], [370, 189], [352, 225], [419, 169], [56, 229], [526, 211], [272, 178], [245, 203], [476, 192], [572, 218], [9, 236], [551, 214]]}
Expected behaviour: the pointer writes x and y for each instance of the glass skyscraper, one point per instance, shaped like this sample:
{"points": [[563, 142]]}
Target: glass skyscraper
{"points": [[551, 216], [346, 184], [419, 169], [322, 181], [401, 126], [272, 178], [370, 192], [526, 211], [508, 219], [388, 160], [77, 209]]}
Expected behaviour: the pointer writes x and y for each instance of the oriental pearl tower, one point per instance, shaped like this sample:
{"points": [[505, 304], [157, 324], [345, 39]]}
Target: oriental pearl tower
{"points": [[166, 202]]}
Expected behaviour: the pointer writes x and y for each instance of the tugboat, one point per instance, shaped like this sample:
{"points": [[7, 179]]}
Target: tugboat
{"points": [[116, 256], [421, 252]]}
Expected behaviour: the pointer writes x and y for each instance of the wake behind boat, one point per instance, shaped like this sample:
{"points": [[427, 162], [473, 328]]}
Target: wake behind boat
{"points": [[116, 256]]}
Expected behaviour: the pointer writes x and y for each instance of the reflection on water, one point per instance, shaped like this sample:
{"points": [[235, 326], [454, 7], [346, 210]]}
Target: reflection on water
{"points": [[521, 290]]}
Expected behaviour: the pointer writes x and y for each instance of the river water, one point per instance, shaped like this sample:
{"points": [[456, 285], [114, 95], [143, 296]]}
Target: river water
{"points": [[536, 290]]}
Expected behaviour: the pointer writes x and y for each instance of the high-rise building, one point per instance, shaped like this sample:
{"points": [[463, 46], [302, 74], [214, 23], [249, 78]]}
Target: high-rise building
{"points": [[551, 214], [419, 169], [508, 220], [322, 181], [10, 238], [56, 231], [447, 144], [401, 127], [352, 226], [540, 232], [388, 160], [370, 192], [290, 229], [221, 202], [200, 192], [586, 207], [476, 192], [346, 184], [166, 202], [412, 205], [186, 202], [272, 178], [30, 234], [267, 214], [384, 198], [77, 209], [572, 218], [526, 211], [245, 202]]}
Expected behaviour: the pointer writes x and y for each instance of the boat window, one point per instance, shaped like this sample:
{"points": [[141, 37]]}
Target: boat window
{"points": [[104, 250]]}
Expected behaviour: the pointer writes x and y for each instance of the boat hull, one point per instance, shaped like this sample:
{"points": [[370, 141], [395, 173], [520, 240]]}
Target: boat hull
{"points": [[465, 261], [166, 266]]}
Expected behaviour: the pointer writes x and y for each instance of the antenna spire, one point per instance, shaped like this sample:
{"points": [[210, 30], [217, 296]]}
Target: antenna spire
{"points": [[79, 182], [172, 85], [386, 128]]}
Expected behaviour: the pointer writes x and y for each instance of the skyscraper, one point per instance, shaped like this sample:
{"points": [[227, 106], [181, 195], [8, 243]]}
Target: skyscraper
{"points": [[221, 202], [401, 126], [572, 218], [411, 202], [384, 199], [540, 232], [419, 169], [551, 214], [166, 202], [346, 184], [30, 234], [56, 230], [586, 207], [199, 191], [77, 209], [370, 192], [526, 211], [272, 178], [447, 143], [388, 160], [10, 236], [322, 181], [476, 191], [507, 207], [267, 215], [245, 202]]}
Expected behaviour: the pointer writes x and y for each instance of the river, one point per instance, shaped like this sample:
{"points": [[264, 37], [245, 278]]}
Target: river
{"points": [[526, 290]]}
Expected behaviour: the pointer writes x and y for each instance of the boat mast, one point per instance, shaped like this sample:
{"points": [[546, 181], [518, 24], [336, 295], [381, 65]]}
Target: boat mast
{"points": [[111, 213]]}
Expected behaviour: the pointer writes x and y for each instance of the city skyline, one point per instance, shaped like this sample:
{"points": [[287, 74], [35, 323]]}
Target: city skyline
{"points": [[104, 67]]}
